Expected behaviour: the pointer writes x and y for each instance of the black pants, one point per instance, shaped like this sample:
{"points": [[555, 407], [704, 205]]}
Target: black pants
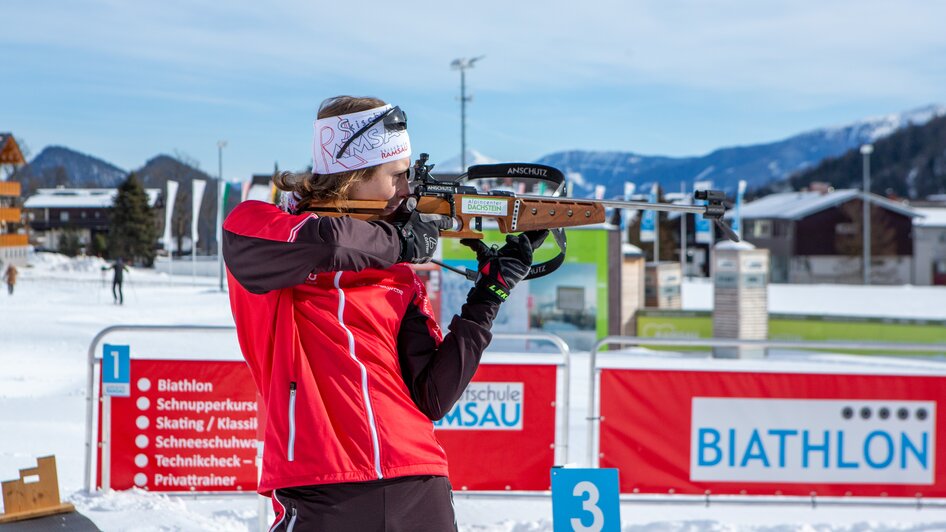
{"points": [[119, 297], [405, 504]]}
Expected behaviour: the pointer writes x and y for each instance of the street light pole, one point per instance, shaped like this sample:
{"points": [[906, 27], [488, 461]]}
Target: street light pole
{"points": [[462, 65], [221, 144], [866, 150]]}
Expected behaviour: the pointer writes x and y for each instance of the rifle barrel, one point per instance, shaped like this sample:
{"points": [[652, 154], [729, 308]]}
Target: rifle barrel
{"points": [[640, 205]]}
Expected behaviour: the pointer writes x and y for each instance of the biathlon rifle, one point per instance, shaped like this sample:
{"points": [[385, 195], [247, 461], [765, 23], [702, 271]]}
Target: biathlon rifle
{"points": [[468, 206]]}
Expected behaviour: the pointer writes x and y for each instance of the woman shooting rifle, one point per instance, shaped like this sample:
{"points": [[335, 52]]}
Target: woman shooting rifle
{"points": [[339, 333]]}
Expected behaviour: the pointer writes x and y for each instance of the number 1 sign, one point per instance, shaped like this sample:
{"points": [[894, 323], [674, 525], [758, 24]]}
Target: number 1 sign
{"points": [[116, 370], [585, 500]]}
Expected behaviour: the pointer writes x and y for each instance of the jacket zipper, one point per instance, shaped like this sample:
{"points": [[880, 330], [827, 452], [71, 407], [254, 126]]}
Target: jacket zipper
{"points": [[292, 428]]}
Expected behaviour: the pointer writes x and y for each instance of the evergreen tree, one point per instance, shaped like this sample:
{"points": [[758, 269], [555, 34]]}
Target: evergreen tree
{"points": [[850, 238], [70, 244], [133, 233]]}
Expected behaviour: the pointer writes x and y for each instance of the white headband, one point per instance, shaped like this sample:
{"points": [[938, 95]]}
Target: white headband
{"points": [[375, 146]]}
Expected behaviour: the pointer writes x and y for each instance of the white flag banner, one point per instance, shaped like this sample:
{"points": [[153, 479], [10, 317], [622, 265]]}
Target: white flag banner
{"points": [[703, 227], [168, 213], [628, 213], [736, 224], [599, 192], [649, 218], [196, 198], [628, 190], [221, 207]]}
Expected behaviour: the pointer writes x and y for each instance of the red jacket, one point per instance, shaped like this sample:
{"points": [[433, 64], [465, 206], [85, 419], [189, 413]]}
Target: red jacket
{"points": [[343, 347]]}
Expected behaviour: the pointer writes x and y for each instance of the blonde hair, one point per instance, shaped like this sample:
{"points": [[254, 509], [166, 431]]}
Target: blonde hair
{"points": [[314, 188]]}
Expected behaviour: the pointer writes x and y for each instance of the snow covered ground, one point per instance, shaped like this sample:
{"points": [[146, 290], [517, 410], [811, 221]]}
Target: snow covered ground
{"points": [[60, 304], [916, 302]]}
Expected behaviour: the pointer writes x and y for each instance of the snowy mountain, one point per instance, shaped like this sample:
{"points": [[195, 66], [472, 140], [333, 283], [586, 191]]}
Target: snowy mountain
{"points": [[909, 163], [58, 165], [758, 164], [453, 166]]}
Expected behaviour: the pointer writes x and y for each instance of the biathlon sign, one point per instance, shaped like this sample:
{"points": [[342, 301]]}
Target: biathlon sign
{"points": [[760, 433], [185, 426], [798, 440]]}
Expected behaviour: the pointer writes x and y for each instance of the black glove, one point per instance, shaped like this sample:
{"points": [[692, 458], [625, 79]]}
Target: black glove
{"points": [[419, 235], [501, 269]]}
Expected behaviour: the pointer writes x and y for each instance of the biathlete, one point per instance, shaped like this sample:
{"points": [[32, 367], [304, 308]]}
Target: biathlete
{"points": [[339, 334]]}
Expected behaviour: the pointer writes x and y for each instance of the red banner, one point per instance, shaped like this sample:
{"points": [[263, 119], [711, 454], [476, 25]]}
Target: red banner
{"points": [[698, 432], [192, 426], [187, 426], [501, 433]]}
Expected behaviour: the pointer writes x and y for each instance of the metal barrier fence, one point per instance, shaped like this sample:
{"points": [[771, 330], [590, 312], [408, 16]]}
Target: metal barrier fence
{"points": [[563, 350], [94, 359], [595, 408]]}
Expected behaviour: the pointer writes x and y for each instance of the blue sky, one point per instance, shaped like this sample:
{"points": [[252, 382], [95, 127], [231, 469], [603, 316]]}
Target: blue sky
{"points": [[125, 80]]}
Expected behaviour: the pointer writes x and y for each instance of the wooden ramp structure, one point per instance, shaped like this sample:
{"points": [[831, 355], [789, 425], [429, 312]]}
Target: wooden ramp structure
{"points": [[34, 494]]}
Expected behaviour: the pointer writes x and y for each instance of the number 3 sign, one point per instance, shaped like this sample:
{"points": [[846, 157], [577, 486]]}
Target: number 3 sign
{"points": [[585, 500]]}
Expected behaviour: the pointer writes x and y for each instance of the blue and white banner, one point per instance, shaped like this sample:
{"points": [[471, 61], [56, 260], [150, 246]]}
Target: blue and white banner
{"points": [[486, 406], [627, 214], [812, 440], [737, 212], [649, 217], [703, 225], [629, 190]]}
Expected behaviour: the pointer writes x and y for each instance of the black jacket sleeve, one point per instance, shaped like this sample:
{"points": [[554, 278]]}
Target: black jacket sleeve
{"points": [[267, 249], [436, 375]]}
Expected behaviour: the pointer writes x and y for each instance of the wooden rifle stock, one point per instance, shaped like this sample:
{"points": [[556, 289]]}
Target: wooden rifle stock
{"points": [[512, 214]]}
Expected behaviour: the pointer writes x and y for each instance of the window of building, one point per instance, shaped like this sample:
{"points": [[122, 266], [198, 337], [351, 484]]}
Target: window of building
{"points": [[846, 229], [63, 216], [762, 229]]}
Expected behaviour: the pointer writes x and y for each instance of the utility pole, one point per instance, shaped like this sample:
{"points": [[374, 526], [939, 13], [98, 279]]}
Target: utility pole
{"points": [[683, 231], [866, 150], [221, 144], [462, 64]]}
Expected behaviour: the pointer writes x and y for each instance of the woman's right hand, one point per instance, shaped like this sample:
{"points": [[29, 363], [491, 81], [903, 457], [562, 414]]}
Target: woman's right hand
{"points": [[419, 236]]}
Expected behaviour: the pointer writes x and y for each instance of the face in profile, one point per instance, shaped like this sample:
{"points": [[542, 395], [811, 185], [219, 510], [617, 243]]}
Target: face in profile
{"points": [[388, 182]]}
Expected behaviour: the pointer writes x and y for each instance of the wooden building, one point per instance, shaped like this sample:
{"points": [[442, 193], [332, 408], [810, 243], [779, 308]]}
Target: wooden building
{"points": [[14, 242], [816, 236], [52, 212]]}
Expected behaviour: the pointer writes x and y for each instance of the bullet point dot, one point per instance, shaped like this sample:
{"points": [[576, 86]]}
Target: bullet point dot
{"points": [[143, 403], [144, 384], [141, 480], [141, 460], [141, 441], [142, 422]]}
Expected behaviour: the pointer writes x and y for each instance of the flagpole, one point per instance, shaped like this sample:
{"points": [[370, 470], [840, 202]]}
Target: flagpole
{"points": [[683, 232], [655, 194], [221, 144]]}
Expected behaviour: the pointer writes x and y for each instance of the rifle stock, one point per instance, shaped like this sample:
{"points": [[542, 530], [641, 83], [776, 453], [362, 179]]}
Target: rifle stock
{"points": [[512, 214]]}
